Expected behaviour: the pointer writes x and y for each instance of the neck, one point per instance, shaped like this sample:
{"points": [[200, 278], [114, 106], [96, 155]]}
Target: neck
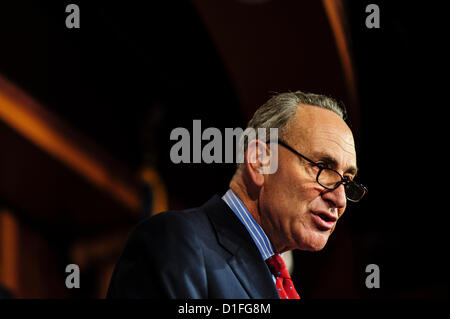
{"points": [[247, 196], [250, 196]]}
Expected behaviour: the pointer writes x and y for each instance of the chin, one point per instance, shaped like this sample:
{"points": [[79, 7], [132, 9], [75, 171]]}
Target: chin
{"points": [[317, 247], [312, 248], [314, 242]]}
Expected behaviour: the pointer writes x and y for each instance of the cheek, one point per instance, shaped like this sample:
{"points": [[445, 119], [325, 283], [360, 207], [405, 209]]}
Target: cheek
{"points": [[288, 178], [301, 185], [292, 197], [341, 212], [284, 190], [289, 192]]}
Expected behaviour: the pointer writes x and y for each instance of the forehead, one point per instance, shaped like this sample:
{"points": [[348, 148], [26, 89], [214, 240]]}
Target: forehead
{"points": [[320, 132]]}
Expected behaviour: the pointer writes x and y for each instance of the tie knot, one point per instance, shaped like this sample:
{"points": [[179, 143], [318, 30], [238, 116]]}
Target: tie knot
{"points": [[277, 266]]}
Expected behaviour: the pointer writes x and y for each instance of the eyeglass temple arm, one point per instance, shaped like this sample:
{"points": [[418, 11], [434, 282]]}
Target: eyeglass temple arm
{"points": [[294, 151]]}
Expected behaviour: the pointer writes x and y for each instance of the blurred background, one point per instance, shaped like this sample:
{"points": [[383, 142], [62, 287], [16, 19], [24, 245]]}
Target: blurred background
{"points": [[86, 115]]}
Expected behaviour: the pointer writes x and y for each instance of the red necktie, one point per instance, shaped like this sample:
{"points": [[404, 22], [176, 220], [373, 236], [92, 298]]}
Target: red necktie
{"points": [[284, 284]]}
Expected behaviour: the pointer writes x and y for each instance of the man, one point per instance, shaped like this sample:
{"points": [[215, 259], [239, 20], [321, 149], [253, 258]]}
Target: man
{"points": [[229, 247]]}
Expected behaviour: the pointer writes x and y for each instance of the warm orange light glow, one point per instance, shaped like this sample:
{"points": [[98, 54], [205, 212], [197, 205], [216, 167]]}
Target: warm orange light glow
{"points": [[27, 118], [8, 252], [336, 16], [160, 200]]}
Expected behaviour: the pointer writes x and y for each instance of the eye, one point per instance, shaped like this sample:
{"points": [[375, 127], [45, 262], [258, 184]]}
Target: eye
{"points": [[322, 165], [349, 178]]}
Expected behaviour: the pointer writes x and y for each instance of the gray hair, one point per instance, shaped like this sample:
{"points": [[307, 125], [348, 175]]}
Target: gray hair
{"points": [[280, 108]]}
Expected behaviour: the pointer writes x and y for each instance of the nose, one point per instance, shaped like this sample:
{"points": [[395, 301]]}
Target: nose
{"points": [[336, 197]]}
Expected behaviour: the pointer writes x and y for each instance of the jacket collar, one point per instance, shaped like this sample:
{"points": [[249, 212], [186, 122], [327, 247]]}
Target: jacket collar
{"points": [[245, 259]]}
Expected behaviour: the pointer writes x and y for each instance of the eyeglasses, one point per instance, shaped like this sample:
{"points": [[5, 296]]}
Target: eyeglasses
{"points": [[331, 179]]}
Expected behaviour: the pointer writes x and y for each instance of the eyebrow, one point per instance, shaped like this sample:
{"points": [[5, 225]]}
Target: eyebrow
{"points": [[333, 163]]}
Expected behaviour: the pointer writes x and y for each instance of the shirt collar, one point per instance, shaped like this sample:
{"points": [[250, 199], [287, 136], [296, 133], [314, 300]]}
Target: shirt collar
{"points": [[255, 230]]}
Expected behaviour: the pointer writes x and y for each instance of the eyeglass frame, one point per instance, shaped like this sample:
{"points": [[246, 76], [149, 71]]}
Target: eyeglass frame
{"points": [[344, 179]]}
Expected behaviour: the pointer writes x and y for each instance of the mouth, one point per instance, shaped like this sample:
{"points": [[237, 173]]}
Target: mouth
{"points": [[324, 220]]}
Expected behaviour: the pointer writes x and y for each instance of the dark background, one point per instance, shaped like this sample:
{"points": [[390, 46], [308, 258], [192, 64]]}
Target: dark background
{"points": [[136, 70]]}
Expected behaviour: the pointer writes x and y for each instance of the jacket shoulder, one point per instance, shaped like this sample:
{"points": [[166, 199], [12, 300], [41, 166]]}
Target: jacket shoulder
{"points": [[174, 225], [164, 257]]}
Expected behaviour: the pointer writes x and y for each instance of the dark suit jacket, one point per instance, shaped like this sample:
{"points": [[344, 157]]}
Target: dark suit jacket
{"points": [[203, 252]]}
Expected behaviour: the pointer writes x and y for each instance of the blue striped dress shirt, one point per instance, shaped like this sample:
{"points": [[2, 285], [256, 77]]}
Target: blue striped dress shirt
{"points": [[256, 232]]}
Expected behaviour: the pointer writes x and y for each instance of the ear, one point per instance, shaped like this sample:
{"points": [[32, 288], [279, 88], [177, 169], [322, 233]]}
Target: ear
{"points": [[257, 161]]}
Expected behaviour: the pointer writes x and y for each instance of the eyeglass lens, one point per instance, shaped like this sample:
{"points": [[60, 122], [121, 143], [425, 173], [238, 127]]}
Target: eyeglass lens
{"points": [[330, 179]]}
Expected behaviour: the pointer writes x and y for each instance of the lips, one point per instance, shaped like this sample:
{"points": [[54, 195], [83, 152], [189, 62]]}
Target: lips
{"points": [[324, 220]]}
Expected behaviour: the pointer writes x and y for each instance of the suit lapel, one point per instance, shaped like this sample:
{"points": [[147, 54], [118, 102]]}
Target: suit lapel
{"points": [[254, 277], [245, 259]]}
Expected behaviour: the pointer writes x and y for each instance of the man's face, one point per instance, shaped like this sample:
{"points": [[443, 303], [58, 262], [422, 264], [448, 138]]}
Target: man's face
{"points": [[296, 212]]}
